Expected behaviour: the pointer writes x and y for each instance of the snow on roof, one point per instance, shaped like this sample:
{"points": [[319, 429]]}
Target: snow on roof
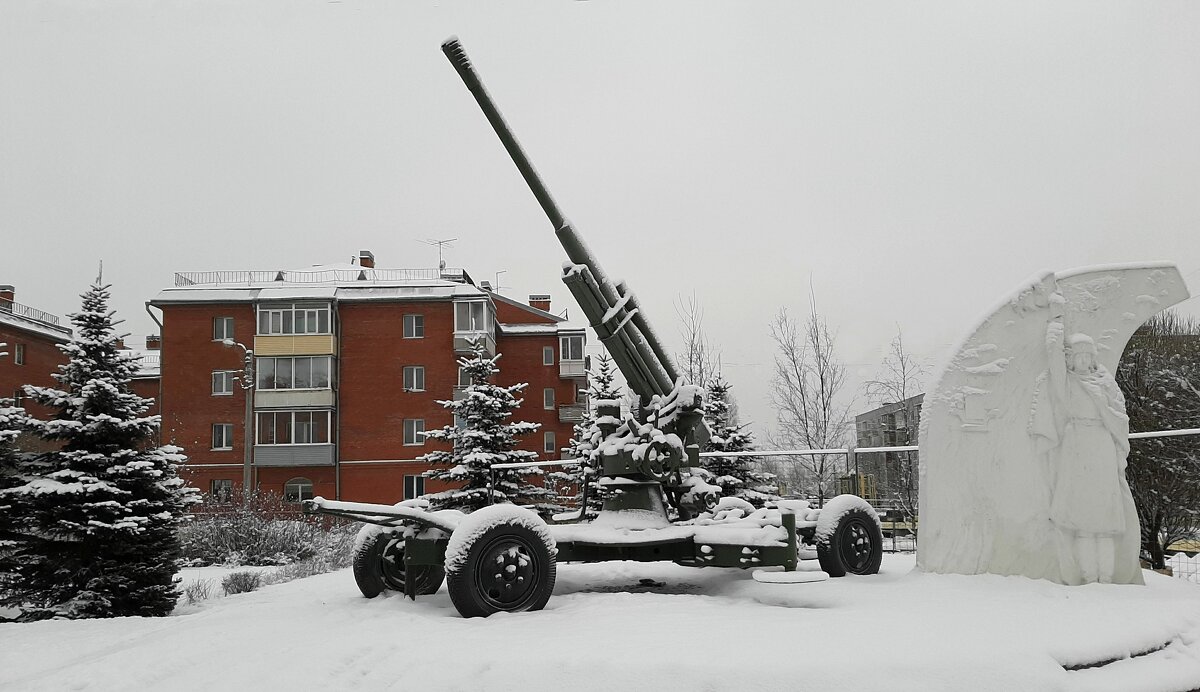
{"points": [[527, 329], [342, 281], [30, 323], [149, 361], [527, 307]]}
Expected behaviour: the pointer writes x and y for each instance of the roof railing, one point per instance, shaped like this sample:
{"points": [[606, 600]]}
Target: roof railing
{"points": [[33, 315], [316, 276]]}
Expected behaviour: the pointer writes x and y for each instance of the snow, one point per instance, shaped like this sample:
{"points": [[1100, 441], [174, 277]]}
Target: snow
{"points": [[654, 622], [479, 522]]}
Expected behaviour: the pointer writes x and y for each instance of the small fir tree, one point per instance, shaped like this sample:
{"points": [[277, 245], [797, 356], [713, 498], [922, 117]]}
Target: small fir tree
{"points": [[480, 438], [735, 477], [103, 510], [585, 442]]}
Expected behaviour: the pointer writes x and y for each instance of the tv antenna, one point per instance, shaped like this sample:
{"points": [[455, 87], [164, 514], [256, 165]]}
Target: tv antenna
{"points": [[440, 244]]}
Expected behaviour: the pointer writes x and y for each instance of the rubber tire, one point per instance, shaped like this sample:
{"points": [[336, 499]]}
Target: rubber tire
{"points": [[466, 590], [855, 521], [374, 572]]}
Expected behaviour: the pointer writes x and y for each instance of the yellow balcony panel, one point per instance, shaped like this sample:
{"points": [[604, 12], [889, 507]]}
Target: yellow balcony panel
{"points": [[295, 345]]}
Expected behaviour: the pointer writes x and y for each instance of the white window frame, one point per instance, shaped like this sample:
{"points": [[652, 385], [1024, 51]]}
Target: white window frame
{"points": [[548, 398], [310, 361], [303, 490], [547, 355], [549, 446], [221, 489], [18, 354], [226, 328], [464, 380], [414, 326], [261, 429], [414, 429], [414, 486], [466, 319], [225, 378], [226, 437], [566, 347], [414, 378], [283, 319]]}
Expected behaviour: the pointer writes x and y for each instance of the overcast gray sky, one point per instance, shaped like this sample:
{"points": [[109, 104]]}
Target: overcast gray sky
{"points": [[914, 161]]}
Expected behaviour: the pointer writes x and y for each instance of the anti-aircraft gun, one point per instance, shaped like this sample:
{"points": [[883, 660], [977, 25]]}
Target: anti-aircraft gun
{"points": [[650, 461], [503, 558]]}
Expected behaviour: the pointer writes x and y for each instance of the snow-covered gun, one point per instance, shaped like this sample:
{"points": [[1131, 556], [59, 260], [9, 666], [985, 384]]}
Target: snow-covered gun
{"points": [[671, 405]]}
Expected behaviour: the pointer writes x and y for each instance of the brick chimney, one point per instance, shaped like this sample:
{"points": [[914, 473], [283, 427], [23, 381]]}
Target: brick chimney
{"points": [[7, 295], [153, 342], [121, 344], [541, 301], [366, 258]]}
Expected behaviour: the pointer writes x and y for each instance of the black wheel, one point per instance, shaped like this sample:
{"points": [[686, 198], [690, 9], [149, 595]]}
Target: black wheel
{"points": [[855, 544], [507, 568], [379, 565]]}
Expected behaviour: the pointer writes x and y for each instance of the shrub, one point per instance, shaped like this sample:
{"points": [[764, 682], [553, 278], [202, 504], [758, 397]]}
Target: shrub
{"points": [[260, 532], [198, 590], [241, 582]]}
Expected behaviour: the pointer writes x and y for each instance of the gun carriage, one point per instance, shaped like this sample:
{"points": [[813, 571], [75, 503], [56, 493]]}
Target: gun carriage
{"points": [[503, 558]]}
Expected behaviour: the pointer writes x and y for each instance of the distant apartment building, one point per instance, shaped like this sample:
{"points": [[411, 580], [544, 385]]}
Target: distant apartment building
{"points": [[887, 474], [350, 362], [33, 337]]}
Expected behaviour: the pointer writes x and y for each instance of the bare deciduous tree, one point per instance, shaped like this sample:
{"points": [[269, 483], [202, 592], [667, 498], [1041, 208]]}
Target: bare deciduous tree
{"points": [[698, 359], [806, 392], [898, 380], [1159, 374]]}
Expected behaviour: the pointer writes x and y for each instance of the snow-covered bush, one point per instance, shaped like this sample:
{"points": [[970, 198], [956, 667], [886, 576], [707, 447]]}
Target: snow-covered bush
{"points": [[198, 590], [241, 582], [263, 531]]}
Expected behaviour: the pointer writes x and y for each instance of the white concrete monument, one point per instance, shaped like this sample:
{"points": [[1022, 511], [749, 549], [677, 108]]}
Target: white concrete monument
{"points": [[1024, 438]]}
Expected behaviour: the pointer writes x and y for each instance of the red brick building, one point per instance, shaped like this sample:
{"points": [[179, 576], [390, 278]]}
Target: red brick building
{"points": [[33, 337], [350, 362]]}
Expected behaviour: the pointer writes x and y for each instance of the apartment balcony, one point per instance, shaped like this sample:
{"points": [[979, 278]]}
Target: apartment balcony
{"points": [[295, 345], [464, 342], [293, 398], [293, 455], [572, 368], [571, 413]]}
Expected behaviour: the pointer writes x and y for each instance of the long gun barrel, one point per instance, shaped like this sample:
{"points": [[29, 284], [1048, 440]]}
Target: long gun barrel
{"points": [[611, 308]]}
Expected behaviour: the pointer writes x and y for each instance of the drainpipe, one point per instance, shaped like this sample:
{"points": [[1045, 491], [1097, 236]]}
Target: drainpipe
{"points": [[337, 403], [162, 339]]}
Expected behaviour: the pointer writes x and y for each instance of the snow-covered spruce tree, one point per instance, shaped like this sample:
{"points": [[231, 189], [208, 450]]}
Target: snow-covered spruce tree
{"points": [[482, 437], [15, 470], [736, 477], [585, 442], [104, 509]]}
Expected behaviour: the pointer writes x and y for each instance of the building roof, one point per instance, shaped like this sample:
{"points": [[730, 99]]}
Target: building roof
{"points": [[149, 361], [527, 308], [321, 282], [34, 320]]}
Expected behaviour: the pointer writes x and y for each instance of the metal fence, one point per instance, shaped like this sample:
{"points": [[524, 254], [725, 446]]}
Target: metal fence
{"points": [[29, 313], [315, 276]]}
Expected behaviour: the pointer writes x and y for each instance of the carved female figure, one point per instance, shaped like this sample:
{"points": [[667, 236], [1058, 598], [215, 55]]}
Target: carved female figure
{"points": [[1089, 441]]}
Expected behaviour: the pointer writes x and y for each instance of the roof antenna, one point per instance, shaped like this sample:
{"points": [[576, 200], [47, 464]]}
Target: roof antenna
{"points": [[440, 244], [100, 274]]}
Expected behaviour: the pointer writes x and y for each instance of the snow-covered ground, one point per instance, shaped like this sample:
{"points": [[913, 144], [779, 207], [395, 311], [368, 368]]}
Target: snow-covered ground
{"points": [[692, 629]]}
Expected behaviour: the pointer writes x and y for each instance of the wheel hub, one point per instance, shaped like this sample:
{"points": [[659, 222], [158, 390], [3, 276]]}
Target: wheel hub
{"points": [[508, 573], [856, 546]]}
